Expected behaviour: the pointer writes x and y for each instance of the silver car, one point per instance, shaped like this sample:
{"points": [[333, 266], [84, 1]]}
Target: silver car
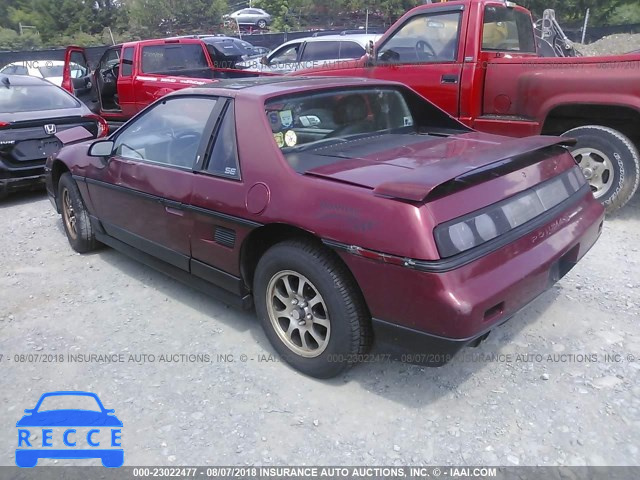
{"points": [[250, 16], [311, 52]]}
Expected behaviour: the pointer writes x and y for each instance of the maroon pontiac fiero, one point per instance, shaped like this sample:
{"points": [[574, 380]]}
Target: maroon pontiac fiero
{"points": [[349, 211]]}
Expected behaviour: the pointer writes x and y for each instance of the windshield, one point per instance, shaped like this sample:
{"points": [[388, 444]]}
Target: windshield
{"points": [[69, 402], [31, 98], [304, 122]]}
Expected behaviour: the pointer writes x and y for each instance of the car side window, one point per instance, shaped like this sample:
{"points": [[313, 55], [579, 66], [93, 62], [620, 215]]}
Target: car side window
{"points": [[506, 29], [21, 70], [223, 158], [350, 50], [109, 59], [127, 62], [168, 134], [315, 51], [424, 39], [172, 57], [286, 55]]}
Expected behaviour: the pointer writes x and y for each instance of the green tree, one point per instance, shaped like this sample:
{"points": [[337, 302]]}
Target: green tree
{"points": [[573, 11]]}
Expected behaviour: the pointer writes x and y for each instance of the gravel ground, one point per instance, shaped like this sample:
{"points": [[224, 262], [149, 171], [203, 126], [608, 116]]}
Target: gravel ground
{"points": [[611, 45], [525, 410]]}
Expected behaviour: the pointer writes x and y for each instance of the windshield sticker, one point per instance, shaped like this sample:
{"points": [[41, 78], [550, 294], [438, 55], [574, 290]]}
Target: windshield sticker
{"points": [[286, 118], [290, 138], [274, 120], [279, 139], [408, 121]]}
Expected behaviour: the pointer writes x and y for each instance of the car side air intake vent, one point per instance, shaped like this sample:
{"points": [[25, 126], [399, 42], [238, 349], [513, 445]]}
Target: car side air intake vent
{"points": [[225, 236]]}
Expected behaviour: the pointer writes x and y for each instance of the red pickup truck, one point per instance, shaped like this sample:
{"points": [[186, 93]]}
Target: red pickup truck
{"points": [[130, 76], [477, 60]]}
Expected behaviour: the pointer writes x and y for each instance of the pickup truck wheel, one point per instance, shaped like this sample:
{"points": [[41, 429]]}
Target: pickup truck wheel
{"points": [[75, 216], [310, 309], [609, 161]]}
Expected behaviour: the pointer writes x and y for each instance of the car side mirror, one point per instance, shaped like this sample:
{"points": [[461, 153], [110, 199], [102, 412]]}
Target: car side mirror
{"points": [[264, 60], [109, 411], [102, 148], [28, 410], [370, 49]]}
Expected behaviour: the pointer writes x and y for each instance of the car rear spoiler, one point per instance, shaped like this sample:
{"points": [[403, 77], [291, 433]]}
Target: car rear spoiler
{"points": [[440, 178], [74, 135]]}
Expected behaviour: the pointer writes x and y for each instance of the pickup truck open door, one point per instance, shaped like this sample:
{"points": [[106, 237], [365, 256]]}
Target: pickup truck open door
{"points": [[77, 78]]}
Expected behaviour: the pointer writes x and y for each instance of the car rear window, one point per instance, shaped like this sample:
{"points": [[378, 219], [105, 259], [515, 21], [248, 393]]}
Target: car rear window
{"points": [[49, 71], [31, 98], [318, 119], [173, 57]]}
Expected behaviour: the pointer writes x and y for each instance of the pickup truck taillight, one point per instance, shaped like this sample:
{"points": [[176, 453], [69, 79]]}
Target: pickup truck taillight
{"points": [[103, 126]]}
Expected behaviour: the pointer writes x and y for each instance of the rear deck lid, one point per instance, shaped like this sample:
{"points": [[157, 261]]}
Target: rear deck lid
{"points": [[411, 167]]}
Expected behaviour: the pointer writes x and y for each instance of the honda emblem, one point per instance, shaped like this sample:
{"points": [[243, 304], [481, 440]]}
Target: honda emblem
{"points": [[50, 128]]}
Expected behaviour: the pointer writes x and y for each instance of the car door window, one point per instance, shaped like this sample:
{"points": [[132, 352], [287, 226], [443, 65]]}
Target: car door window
{"points": [[423, 39], [169, 133], [223, 158], [315, 51], [350, 50], [285, 55]]}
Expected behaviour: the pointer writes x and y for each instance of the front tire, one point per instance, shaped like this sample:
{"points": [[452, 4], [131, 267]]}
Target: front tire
{"points": [[262, 24], [311, 308], [75, 216], [609, 161]]}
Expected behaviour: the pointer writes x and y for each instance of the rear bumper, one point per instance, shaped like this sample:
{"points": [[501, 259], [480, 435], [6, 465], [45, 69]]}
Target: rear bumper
{"points": [[440, 312], [23, 177]]}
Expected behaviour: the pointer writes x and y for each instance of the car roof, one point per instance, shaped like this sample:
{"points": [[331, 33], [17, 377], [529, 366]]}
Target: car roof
{"points": [[270, 86], [38, 61], [21, 81]]}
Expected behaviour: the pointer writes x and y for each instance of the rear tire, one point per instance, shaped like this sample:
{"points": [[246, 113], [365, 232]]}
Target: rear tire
{"points": [[311, 308], [75, 216], [609, 161], [262, 24]]}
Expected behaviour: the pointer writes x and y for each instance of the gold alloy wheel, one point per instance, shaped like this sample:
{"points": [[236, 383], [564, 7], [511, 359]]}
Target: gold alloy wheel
{"points": [[298, 313], [69, 214]]}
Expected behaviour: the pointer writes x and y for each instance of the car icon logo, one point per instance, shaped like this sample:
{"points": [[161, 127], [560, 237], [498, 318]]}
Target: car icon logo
{"points": [[80, 427], [50, 128]]}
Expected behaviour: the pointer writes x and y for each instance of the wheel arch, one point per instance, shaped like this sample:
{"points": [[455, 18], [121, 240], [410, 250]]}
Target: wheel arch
{"points": [[262, 238], [58, 168], [564, 117]]}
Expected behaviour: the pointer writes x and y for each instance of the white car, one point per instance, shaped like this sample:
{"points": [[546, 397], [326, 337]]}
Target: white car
{"points": [[50, 70], [311, 52]]}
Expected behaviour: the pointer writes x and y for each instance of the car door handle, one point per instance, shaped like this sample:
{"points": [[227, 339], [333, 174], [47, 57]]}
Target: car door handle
{"points": [[174, 211], [449, 79]]}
